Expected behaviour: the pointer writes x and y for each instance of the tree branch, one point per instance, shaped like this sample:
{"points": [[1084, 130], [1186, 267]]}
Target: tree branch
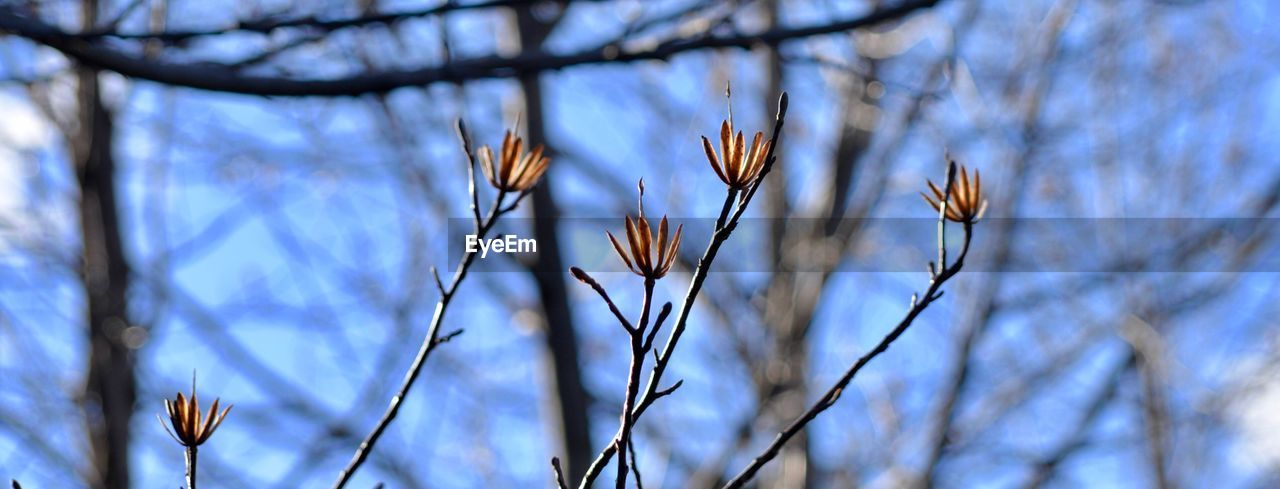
{"points": [[269, 25], [221, 78]]}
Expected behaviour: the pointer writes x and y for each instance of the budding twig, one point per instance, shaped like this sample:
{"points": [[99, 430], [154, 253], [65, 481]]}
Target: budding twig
{"points": [[512, 172], [725, 224]]}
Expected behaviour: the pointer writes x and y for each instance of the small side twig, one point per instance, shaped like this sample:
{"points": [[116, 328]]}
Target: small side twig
{"points": [[668, 391], [635, 468], [559, 473], [519, 197], [435, 274], [582, 276], [657, 325], [449, 336]]}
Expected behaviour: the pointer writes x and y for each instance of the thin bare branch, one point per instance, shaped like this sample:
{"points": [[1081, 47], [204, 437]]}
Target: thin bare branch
{"points": [[918, 306]]}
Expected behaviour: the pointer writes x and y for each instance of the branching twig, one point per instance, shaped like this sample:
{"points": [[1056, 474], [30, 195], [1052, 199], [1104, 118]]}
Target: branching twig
{"points": [[433, 339], [725, 225]]}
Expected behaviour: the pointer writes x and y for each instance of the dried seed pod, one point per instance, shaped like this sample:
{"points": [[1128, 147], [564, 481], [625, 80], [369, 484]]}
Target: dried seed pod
{"points": [[738, 165], [190, 428], [966, 204], [513, 171], [648, 257]]}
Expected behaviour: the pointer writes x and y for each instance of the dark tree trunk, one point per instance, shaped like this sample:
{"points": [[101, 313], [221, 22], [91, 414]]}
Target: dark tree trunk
{"points": [[110, 389], [568, 393]]}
